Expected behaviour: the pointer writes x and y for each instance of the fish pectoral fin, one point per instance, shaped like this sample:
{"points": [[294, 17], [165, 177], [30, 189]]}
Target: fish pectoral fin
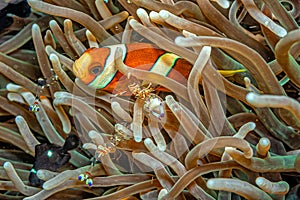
{"points": [[229, 73]]}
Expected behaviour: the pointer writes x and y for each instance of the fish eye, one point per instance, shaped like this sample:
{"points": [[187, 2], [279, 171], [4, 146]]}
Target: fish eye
{"points": [[96, 70]]}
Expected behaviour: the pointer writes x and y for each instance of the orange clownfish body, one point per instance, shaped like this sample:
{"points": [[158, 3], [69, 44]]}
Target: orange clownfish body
{"points": [[96, 65]]}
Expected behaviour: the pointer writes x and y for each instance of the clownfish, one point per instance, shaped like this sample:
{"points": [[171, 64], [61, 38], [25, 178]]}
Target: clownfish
{"points": [[96, 66]]}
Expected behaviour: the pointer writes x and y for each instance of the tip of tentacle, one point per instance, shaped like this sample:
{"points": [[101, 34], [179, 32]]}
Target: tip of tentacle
{"points": [[18, 118], [164, 14], [210, 183], [162, 194], [148, 141], [52, 56], [250, 97], [92, 134], [259, 181], [7, 165], [132, 22], [141, 11], [138, 139], [264, 141], [35, 27], [225, 4], [282, 32], [52, 23], [252, 125], [153, 14]]}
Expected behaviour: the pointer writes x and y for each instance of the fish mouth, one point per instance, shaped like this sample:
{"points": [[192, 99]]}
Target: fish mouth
{"points": [[80, 68], [79, 72], [76, 69]]}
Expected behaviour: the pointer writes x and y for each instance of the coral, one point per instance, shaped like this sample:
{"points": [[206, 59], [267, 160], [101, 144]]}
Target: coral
{"points": [[230, 130]]}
